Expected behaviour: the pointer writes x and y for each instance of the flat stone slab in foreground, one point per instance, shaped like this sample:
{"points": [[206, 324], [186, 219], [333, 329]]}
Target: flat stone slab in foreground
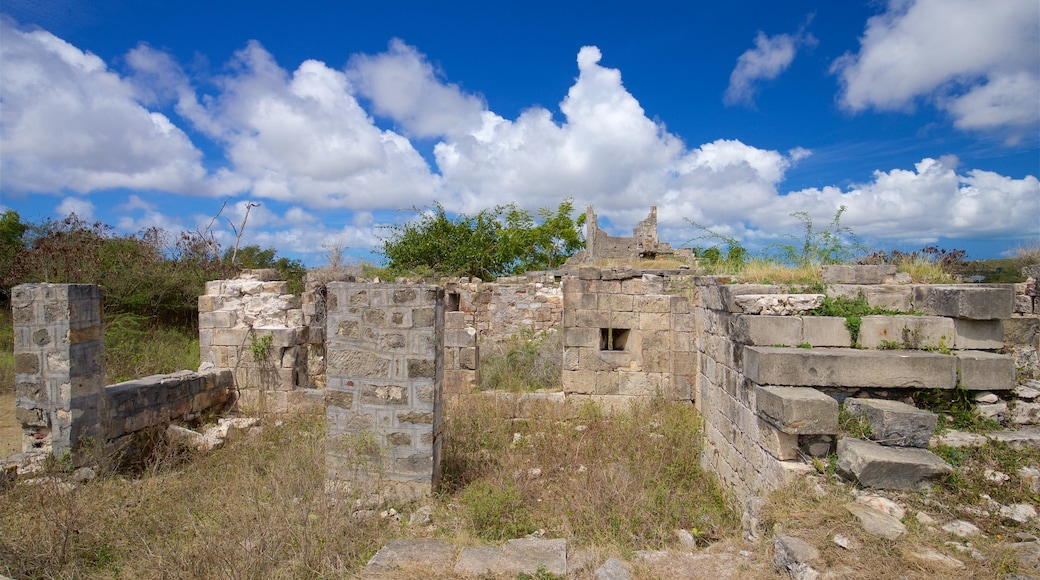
{"points": [[873, 465], [432, 556], [523, 556]]}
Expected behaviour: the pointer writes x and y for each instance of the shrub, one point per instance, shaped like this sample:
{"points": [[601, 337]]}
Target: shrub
{"points": [[527, 361]]}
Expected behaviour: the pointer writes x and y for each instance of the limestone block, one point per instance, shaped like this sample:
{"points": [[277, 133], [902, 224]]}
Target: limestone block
{"points": [[978, 334], [985, 371], [856, 274], [825, 331], [894, 422], [847, 367], [1023, 304], [767, 330], [579, 382], [893, 297], [1021, 330], [609, 383], [797, 410], [780, 445], [910, 332], [777, 304], [616, 302], [873, 465], [963, 301]]}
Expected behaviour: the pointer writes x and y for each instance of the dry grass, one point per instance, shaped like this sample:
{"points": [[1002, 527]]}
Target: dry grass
{"points": [[769, 272], [924, 271], [258, 509], [813, 509]]}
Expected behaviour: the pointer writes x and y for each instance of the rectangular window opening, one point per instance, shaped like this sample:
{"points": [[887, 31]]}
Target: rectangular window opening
{"points": [[613, 338], [452, 302]]}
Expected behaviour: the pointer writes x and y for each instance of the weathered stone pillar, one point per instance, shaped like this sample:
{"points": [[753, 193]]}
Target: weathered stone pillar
{"points": [[385, 345], [59, 365]]}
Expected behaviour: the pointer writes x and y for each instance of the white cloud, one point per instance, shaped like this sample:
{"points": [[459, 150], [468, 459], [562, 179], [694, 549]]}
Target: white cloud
{"points": [[402, 85], [83, 209], [929, 202], [303, 137], [977, 60], [767, 60], [71, 124], [135, 202]]}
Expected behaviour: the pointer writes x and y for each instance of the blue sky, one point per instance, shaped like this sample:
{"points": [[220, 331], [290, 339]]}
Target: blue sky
{"points": [[921, 116]]}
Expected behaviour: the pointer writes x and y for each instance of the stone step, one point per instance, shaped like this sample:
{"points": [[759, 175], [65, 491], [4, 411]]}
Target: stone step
{"points": [[872, 465], [848, 367]]}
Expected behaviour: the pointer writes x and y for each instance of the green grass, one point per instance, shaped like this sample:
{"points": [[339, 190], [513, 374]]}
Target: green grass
{"points": [[526, 361], [135, 347]]}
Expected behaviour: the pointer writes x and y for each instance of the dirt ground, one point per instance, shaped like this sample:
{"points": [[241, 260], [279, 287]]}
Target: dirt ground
{"points": [[10, 430]]}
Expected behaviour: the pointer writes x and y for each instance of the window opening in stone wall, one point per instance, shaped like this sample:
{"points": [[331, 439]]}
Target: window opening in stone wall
{"points": [[452, 302], [613, 338]]}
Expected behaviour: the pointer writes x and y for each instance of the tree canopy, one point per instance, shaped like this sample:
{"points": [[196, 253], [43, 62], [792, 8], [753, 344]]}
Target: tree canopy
{"points": [[500, 241]]}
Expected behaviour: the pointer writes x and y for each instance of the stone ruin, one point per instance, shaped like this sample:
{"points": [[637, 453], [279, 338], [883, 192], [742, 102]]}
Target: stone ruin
{"points": [[378, 359]]}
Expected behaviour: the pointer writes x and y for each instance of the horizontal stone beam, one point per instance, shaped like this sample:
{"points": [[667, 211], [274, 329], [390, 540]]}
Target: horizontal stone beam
{"points": [[847, 367]]}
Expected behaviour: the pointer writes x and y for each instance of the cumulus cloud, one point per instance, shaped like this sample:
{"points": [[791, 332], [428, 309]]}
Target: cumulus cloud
{"points": [[770, 57], [402, 85], [83, 209], [70, 124], [304, 138], [977, 60]]}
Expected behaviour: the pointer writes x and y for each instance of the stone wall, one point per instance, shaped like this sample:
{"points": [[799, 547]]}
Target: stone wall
{"points": [[624, 337], [253, 327], [384, 364], [61, 398], [771, 378]]}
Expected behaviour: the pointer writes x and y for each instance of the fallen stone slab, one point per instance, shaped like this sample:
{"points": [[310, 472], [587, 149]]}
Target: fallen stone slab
{"points": [[966, 301], [795, 556], [872, 465], [433, 556], [959, 439], [1020, 438], [193, 439], [858, 274], [937, 559], [522, 556], [895, 423], [876, 522], [613, 569]]}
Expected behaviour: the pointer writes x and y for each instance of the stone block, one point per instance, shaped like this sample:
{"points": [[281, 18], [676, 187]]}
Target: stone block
{"points": [[847, 367], [780, 445], [895, 423], [579, 382], [978, 334], [776, 304], [797, 410], [872, 465], [825, 331], [766, 330], [616, 302], [985, 371], [890, 296], [857, 274], [647, 303], [1023, 331], [908, 332], [583, 337], [1023, 304], [963, 301]]}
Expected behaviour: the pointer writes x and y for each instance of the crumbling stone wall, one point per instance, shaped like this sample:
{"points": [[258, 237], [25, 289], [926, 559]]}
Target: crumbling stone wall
{"points": [[771, 379], [252, 326], [61, 398], [385, 354]]}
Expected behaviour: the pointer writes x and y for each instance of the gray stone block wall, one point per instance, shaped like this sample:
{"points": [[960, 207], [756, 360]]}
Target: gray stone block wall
{"points": [[624, 337], [61, 397], [59, 365], [385, 365]]}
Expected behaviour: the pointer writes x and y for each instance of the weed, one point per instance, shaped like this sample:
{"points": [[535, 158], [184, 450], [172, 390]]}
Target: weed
{"points": [[834, 244], [853, 424], [941, 348], [497, 511], [540, 574], [852, 309], [805, 345], [890, 345], [526, 361], [959, 405], [259, 346]]}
